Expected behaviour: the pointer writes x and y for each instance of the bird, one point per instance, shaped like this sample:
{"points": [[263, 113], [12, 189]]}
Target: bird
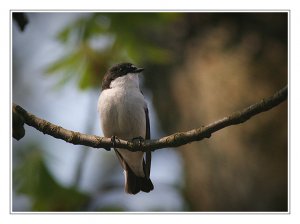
{"points": [[124, 114]]}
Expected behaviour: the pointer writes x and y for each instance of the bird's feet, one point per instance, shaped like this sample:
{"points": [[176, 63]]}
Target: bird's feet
{"points": [[113, 140], [140, 139]]}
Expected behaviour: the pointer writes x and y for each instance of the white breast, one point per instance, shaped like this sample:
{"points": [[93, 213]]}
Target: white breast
{"points": [[122, 109]]}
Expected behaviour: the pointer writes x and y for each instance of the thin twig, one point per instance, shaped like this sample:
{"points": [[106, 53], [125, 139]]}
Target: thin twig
{"points": [[174, 140]]}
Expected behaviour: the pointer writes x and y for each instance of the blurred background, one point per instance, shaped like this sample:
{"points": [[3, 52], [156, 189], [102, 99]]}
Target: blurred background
{"points": [[199, 67]]}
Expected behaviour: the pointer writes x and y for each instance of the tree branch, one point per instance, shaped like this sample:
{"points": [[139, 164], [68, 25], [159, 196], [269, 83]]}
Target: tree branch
{"points": [[174, 140]]}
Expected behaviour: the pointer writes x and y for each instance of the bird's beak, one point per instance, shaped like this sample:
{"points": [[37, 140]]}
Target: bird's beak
{"points": [[138, 70]]}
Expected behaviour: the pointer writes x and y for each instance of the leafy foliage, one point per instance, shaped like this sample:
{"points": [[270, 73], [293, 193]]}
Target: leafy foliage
{"points": [[98, 40], [32, 178]]}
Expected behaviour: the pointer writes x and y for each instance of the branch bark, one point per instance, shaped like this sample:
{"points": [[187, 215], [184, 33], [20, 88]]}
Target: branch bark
{"points": [[174, 140]]}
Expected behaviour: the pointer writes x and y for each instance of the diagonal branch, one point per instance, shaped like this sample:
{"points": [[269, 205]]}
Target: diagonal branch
{"points": [[174, 140]]}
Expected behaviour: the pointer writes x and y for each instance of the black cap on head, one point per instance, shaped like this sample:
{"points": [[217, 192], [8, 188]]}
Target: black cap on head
{"points": [[118, 71]]}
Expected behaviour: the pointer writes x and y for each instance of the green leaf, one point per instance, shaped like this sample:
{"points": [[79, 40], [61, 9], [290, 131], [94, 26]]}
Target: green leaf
{"points": [[64, 35], [66, 62], [32, 177], [85, 80]]}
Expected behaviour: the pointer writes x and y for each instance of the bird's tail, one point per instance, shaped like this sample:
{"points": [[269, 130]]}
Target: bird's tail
{"points": [[135, 184]]}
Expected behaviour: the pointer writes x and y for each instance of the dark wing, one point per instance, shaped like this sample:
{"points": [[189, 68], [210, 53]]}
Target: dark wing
{"points": [[147, 124], [147, 165]]}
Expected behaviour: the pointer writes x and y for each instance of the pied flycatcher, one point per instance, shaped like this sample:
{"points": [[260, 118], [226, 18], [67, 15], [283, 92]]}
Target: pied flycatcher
{"points": [[124, 114]]}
